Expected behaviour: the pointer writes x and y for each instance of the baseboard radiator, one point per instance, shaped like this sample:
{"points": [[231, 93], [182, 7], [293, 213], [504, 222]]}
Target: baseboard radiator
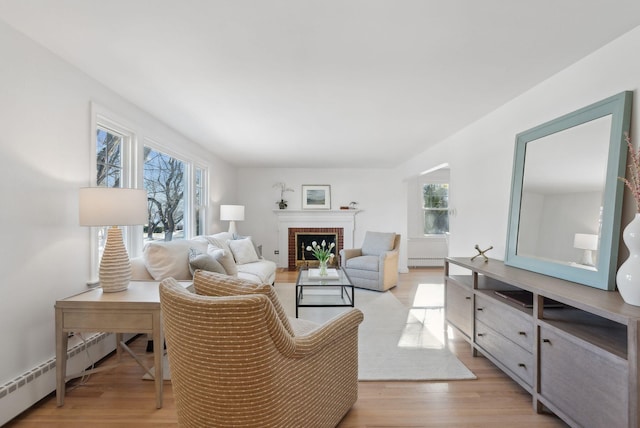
{"points": [[24, 391], [425, 261], [426, 252]]}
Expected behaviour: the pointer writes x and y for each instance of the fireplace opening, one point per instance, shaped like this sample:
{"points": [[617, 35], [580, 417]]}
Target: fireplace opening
{"points": [[301, 238]]}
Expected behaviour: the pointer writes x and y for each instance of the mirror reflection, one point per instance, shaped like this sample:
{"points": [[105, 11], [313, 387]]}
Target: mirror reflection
{"points": [[562, 195]]}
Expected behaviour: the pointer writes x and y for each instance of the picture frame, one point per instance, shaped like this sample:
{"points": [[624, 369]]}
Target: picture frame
{"points": [[316, 197]]}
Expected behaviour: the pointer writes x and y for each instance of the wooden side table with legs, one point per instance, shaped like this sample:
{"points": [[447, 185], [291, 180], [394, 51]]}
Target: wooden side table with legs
{"points": [[135, 310]]}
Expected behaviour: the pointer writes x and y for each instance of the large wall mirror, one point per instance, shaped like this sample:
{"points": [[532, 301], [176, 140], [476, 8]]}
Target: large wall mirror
{"points": [[566, 198]]}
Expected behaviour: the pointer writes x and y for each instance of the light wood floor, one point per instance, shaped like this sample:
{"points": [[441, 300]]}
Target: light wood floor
{"points": [[119, 398]]}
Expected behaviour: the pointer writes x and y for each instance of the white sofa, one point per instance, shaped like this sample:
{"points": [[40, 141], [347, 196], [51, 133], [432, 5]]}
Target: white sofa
{"points": [[162, 260]]}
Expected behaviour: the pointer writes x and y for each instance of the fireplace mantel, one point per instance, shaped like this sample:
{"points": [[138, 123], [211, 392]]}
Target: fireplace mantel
{"points": [[345, 219]]}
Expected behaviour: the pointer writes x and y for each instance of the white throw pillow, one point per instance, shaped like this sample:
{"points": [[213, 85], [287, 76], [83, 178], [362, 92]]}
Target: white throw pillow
{"points": [[225, 258], [243, 251], [170, 259]]}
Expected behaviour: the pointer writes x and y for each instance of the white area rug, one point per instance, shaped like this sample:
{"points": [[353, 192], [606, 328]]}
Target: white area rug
{"points": [[394, 342]]}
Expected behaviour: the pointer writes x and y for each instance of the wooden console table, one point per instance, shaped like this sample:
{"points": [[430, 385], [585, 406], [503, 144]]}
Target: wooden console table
{"points": [[135, 310], [575, 349]]}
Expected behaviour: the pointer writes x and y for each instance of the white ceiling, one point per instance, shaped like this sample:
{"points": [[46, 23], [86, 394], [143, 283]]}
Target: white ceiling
{"points": [[346, 83]]}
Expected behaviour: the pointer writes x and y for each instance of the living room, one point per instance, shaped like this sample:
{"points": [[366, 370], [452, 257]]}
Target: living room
{"points": [[47, 109]]}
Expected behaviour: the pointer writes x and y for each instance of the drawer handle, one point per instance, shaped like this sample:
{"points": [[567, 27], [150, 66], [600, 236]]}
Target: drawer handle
{"points": [[468, 297], [522, 333], [546, 341], [523, 365], [480, 309], [480, 334]]}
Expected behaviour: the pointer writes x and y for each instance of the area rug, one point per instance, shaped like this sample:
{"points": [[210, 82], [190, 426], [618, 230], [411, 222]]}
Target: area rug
{"points": [[394, 343]]}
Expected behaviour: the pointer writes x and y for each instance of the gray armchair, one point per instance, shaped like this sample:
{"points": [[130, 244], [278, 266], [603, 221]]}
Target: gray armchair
{"points": [[375, 265]]}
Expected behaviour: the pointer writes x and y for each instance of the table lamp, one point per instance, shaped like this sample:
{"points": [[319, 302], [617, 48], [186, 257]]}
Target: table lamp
{"points": [[112, 206], [232, 213], [588, 243]]}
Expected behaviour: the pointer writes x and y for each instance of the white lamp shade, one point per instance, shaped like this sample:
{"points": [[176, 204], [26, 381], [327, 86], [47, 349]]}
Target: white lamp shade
{"points": [[584, 241], [232, 212], [113, 206]]}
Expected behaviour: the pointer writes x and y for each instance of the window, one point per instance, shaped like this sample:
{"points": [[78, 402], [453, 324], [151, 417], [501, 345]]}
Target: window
{"points": [[199, 199], [164, 180], [109, 158], [123, 156], [435, 208], [109, 169]]}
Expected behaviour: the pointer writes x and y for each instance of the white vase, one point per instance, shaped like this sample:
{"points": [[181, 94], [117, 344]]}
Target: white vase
{"points": [[628, 276]]}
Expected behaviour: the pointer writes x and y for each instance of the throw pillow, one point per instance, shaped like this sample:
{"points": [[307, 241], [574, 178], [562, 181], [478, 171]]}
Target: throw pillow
{"points": [[243, 251], [203, 261], [220, 240], [258, 248], [213, 284], [225, 258], [170, 259]]}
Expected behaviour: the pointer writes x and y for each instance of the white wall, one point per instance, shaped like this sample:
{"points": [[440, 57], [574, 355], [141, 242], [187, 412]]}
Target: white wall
{"points": [[379, 193], [45, 145], [481, 155]]}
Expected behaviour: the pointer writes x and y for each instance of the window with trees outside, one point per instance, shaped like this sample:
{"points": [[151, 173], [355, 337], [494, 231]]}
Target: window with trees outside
{"points": [[435, 208], [164, 180], [110, 171], [176, 184]]}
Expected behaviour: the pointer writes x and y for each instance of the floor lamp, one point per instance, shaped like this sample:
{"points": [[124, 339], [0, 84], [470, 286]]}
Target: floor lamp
{"points": [[232, 213], [112, 206]]}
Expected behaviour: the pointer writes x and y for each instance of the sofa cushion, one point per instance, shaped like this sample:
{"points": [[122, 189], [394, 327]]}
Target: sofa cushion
{"points": [[262, 271], [224, 257], [376, 243], [170, 259], [243, 251], [204, 261], [214, 284]]}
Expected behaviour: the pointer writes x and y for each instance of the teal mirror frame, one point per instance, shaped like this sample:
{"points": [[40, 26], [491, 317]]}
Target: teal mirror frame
{"points": [[619, 107]]}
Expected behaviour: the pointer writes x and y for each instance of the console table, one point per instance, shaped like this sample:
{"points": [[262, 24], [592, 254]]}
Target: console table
{"points": [[575, 349], [134, 310]]}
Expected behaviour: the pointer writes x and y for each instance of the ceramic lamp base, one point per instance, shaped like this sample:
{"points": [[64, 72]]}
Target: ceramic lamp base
{"points": [[115, 267]]}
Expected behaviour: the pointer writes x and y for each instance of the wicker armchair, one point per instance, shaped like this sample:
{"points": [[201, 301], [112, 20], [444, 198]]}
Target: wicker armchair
{"points": [[237, 361]]}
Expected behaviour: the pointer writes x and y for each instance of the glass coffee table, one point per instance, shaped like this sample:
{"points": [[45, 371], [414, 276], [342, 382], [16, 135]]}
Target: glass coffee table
{"points": [[313, 291]]}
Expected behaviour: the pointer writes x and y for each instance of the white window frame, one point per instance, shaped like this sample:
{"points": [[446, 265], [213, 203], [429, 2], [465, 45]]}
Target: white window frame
{"points": [[102, 120], [204, 195], [423, 183], [133, 174]]}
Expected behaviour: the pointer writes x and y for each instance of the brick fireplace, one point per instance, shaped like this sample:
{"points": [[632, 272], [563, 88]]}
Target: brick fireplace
{"points": [[339, 222], [301, 237]]}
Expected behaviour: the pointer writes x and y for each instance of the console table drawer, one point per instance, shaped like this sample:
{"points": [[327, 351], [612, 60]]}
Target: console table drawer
{"points": [[511, 355], [459, 307], [589, 384], [510, 322]]}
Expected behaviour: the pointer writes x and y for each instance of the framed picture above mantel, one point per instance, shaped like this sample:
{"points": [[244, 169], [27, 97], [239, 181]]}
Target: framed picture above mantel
{"points": [[316, 197]]}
